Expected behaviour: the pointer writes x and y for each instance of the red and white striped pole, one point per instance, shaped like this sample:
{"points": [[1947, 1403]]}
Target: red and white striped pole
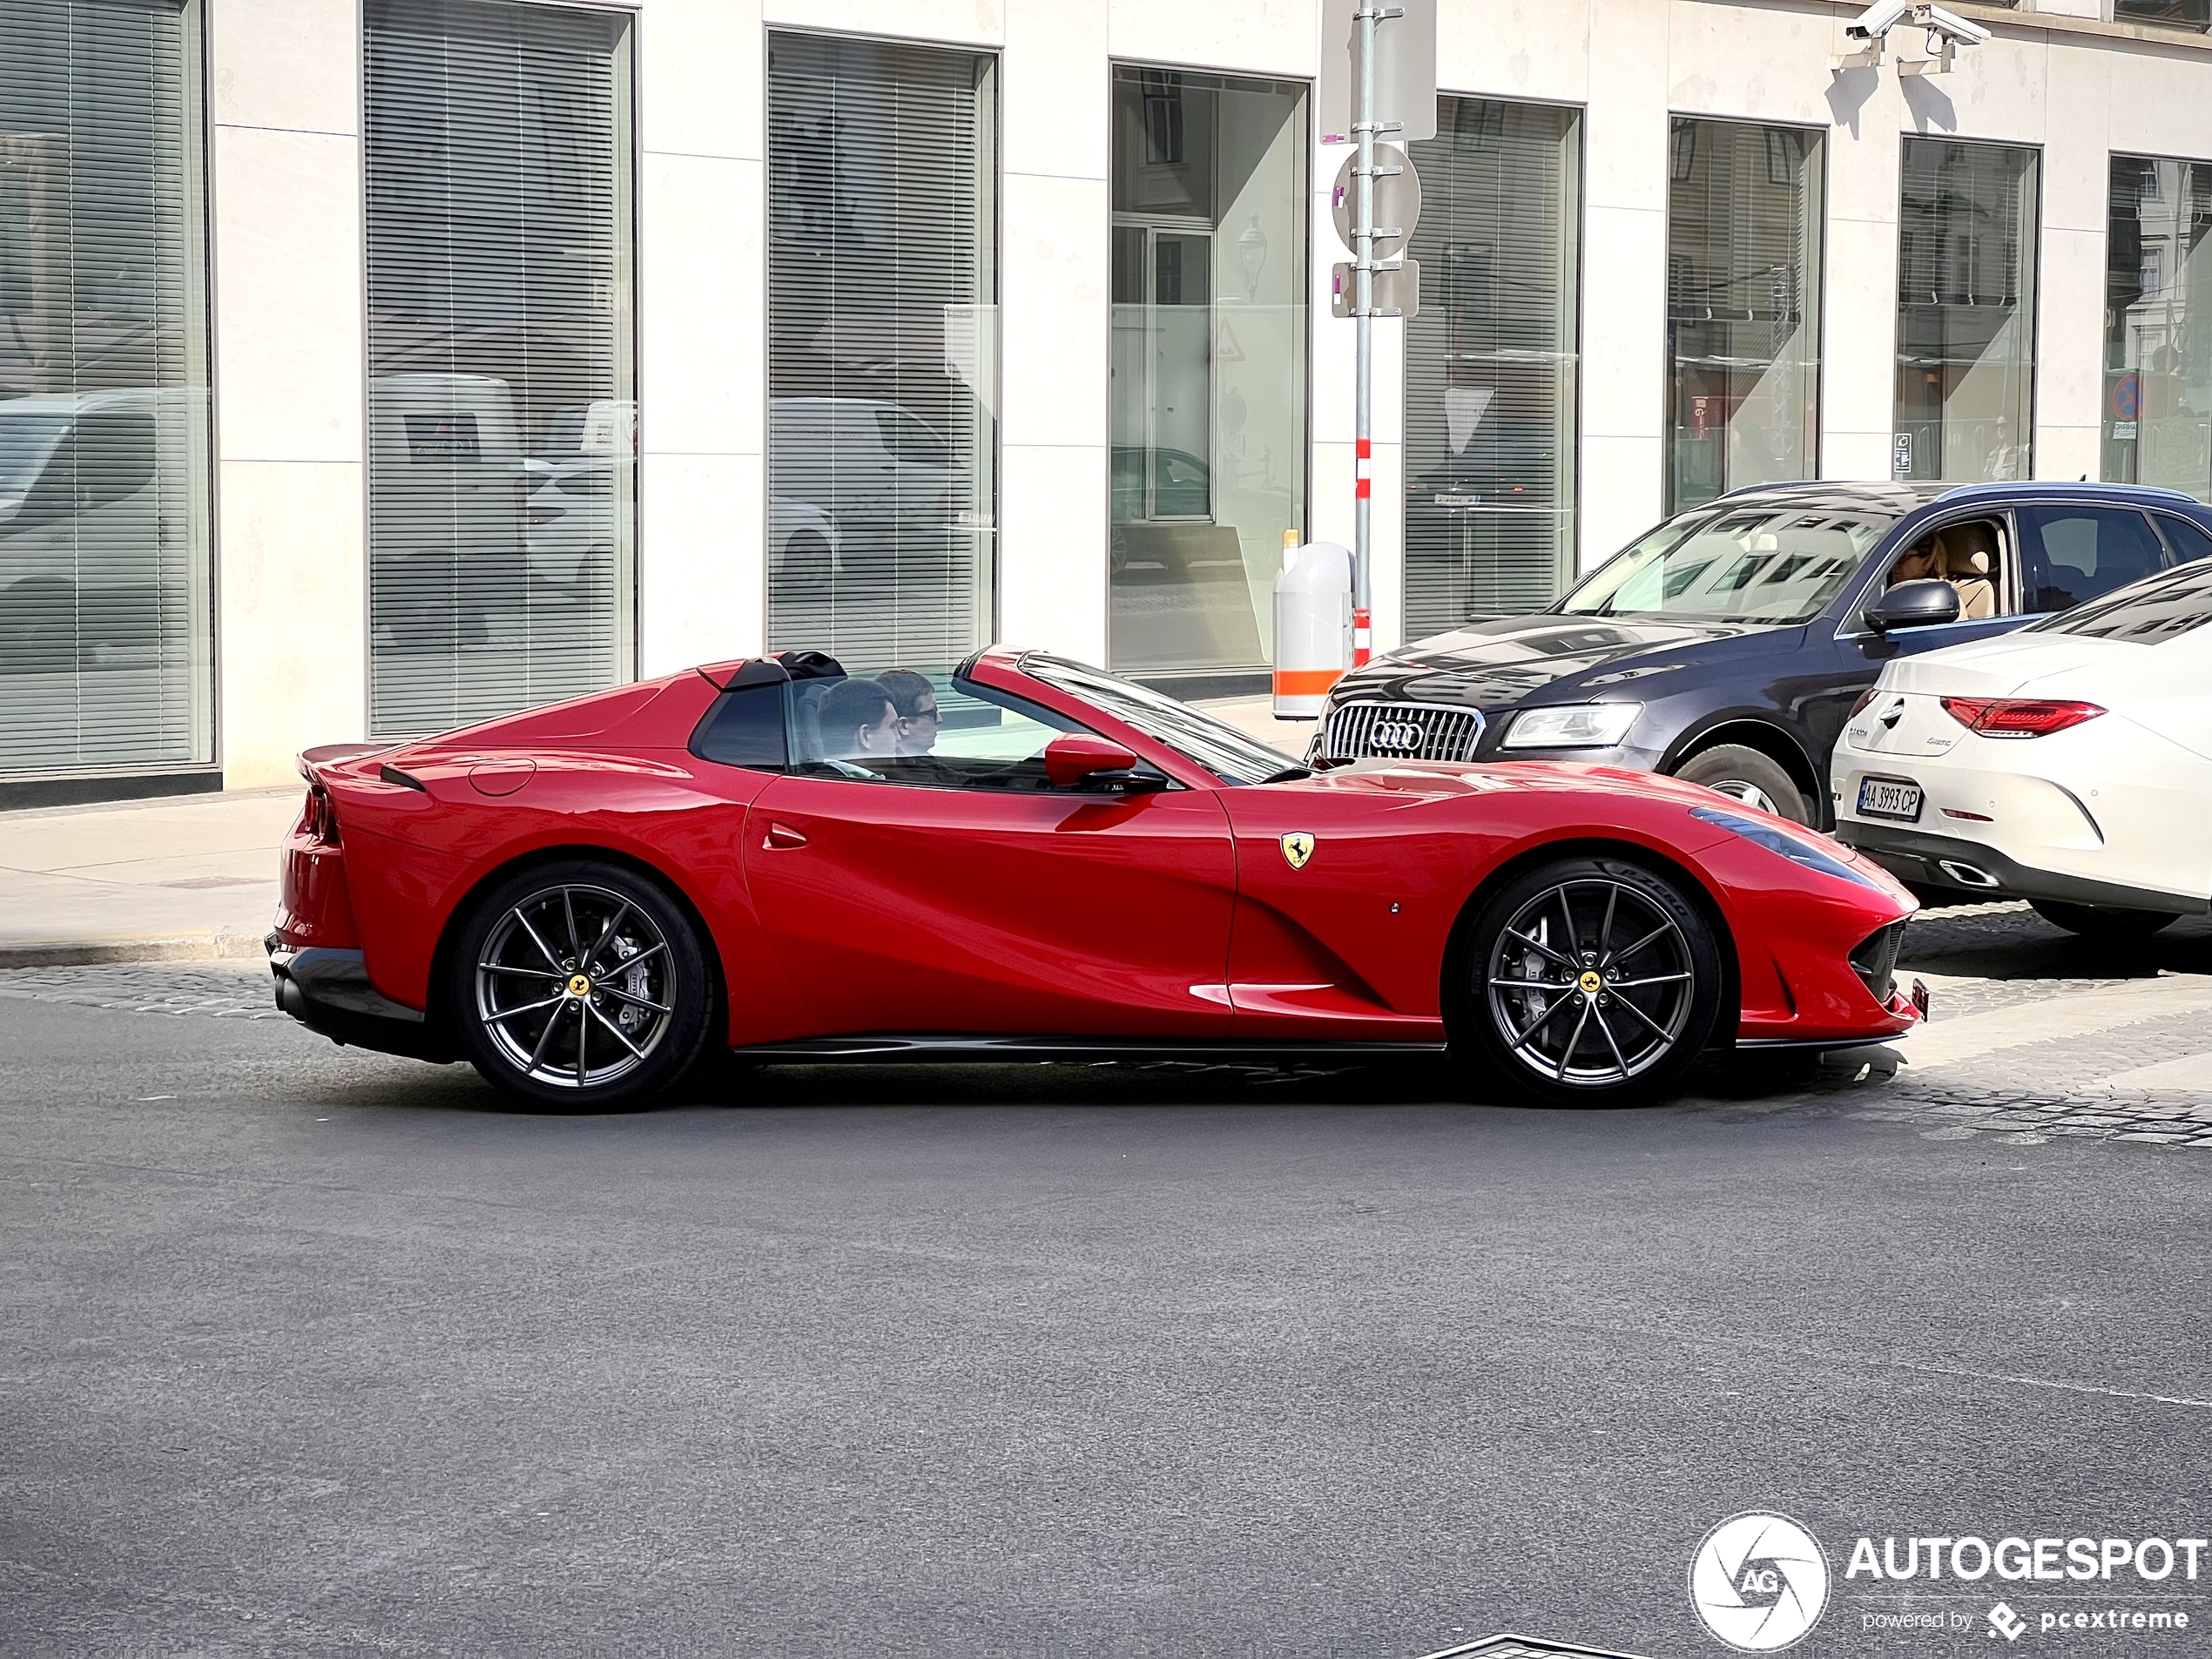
{"points": [[1363, 491]]}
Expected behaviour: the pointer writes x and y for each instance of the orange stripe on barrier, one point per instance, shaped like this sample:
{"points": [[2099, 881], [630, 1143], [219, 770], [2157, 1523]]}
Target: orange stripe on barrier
{"points": [[1306, 682]]}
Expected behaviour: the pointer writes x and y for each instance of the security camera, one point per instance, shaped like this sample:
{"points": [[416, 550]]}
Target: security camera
{"points": [[1948, 26], [1878, 19]]}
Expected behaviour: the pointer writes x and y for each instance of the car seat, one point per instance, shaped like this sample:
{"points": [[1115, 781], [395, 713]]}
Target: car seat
{"points": [[1966, 554]]}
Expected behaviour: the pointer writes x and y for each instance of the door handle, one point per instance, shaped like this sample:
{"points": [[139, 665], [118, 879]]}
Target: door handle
{"points": [[781, 835]]}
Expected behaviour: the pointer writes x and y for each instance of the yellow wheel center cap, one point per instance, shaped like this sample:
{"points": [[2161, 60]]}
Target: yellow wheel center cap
{"points": [[1592, 981], [579, 985]]}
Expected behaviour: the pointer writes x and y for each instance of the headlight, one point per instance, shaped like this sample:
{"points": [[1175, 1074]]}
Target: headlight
{"points": [[1802, 852], [1577, 726]]}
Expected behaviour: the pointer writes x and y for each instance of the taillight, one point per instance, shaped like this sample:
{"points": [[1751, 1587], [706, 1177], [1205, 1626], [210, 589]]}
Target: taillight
{"points": [[321, 817], [2017, 717], [1865, 697]]}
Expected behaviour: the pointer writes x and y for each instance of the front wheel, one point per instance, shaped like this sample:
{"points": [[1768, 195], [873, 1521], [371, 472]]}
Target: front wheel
{"points": [[1586, 981], [1754, 779], [2103, 922], [580, 986]]}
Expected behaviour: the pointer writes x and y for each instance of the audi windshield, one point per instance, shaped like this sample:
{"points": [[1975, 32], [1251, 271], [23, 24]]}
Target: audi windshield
{"points": [[1755, 561]]}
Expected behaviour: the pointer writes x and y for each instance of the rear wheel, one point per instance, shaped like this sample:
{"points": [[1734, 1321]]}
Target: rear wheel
{"points": [[1587, 982], [2103, 922], [1756, 780], [580, 986]]}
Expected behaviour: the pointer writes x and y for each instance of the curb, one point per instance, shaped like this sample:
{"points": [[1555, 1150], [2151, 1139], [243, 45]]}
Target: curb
{"points": [[170, 948]]}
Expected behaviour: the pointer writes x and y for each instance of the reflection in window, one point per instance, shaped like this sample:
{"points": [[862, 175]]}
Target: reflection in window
{"points": [[2178, 13], [2157, 417], [1966, 311], [1208, 466], [106, 638], [1490, 364], [1744, 218], [882, 347], [2146, 614], [1755, 563], [501, 469]]}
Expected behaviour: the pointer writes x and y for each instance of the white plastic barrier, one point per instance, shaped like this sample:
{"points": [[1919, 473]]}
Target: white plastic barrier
{"points": [[1313, 629]]}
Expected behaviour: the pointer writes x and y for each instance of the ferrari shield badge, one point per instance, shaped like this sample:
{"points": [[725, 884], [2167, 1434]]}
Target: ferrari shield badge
{"points": [[1297, 847]]}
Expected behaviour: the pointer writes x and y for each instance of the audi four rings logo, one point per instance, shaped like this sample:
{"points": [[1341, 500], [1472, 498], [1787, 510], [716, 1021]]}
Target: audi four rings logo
{"points": [[1759, 1582], [1397, 734]]}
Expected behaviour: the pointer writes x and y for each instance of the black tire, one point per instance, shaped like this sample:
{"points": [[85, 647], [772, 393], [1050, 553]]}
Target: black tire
{"points": [[809, 566], [519, 959], [1523, 966], [2103, 922], [1752, 778]]}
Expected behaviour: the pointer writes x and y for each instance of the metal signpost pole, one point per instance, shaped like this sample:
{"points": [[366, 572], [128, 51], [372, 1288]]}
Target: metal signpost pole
{"points": [[1363, 311]]}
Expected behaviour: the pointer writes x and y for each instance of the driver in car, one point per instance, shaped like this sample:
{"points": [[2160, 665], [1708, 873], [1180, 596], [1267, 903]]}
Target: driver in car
{"points": [[858, 722], [914, 698]]}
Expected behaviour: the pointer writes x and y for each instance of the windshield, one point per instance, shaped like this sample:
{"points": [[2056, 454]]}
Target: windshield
{"points": [[25, 440], [1222, 749], [1754, 562], [2147, 613]]}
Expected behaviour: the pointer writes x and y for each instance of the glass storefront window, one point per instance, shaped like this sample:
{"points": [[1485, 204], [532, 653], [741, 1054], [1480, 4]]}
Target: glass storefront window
{"points": [[502, 400], [1966, 311], [2157, 415], [1490, 363], [1743, 220], [882, 347], [106, 629], [1209, 456]]}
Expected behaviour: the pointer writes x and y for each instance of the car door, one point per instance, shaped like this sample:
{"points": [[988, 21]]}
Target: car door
{"points": [[984, 902]]}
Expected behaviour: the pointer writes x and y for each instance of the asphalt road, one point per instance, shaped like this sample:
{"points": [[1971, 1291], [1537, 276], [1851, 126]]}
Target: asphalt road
{"points": [[308, 1352]]}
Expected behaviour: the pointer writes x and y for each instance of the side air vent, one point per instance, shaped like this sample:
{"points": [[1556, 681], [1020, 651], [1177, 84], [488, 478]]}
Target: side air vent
{"points": [[1875, 960]]}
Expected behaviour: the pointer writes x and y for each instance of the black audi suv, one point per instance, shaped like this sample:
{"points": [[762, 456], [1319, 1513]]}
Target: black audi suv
{"points": [[1728, 645]]}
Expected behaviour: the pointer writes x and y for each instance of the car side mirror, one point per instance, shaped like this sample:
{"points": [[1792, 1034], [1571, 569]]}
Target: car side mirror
{"points": [[1074, 757], [1921, 604]]}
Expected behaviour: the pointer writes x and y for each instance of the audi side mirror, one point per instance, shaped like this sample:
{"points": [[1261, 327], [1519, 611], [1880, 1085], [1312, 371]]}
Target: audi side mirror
{"points": [[1923, 603], [1074, 758]]}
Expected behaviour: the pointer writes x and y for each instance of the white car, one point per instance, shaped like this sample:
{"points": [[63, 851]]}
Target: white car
{"points": [[2069, 764]]}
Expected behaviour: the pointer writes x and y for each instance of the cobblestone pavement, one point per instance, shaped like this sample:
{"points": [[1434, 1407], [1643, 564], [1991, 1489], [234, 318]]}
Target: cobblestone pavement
{"points": [[223, 990]]}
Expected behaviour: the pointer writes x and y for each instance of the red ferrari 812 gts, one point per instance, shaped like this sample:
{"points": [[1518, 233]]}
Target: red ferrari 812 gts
{"points": [[1030, 858]]}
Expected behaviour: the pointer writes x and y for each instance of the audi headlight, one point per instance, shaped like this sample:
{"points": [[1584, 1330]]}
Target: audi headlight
{"points": [[1575, 725], [1801, 851]]}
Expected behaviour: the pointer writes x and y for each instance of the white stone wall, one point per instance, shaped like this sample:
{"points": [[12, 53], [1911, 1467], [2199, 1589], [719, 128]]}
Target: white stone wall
{"points": [[285, 153]]}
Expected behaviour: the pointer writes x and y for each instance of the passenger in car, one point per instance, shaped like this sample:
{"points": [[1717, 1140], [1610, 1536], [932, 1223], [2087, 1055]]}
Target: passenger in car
{"points": [[858, 722], [914, 698]]}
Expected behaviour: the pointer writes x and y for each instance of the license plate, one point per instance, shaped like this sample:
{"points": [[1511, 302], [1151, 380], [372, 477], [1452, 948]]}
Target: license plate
{"points": [[1888, 798]]}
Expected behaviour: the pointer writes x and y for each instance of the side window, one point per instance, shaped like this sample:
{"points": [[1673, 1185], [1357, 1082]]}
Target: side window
{"points": [[2189, 539], [928, 732], [2077, 553], [744, 728]]}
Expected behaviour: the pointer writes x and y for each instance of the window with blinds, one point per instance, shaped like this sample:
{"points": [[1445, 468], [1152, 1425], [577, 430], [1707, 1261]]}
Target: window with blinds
{"points": [[1743, 226], [1490, 362], [1966, 311], [502, 404], [882, 348], [106, 632]]}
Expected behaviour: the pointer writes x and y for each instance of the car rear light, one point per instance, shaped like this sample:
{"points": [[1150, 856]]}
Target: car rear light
{"points": [[321, 816], [1865, 697], [2017, 717]]}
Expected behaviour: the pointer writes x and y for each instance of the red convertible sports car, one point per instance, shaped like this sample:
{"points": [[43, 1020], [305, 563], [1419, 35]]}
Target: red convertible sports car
{"points": [[1029, 858]]}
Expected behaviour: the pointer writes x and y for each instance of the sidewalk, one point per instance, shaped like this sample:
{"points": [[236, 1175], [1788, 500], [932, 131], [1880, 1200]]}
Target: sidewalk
{"points": [[184, 879]]}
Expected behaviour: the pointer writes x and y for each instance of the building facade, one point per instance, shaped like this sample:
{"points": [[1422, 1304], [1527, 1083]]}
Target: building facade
{"points": [[368, 366]]}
